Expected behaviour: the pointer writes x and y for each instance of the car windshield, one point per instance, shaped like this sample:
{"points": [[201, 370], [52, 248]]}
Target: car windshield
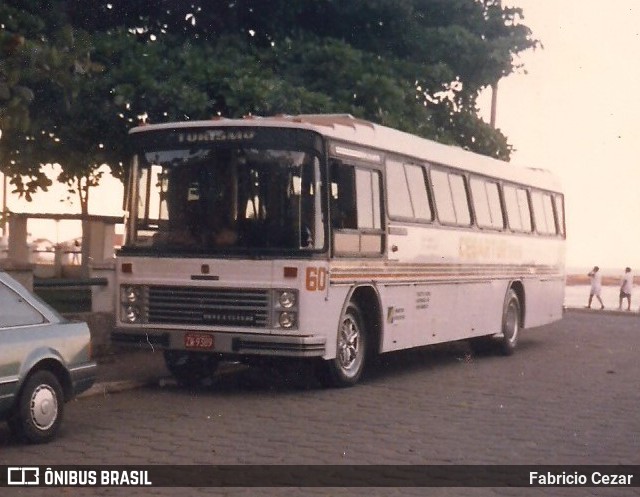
{"points": [[227, 197]]}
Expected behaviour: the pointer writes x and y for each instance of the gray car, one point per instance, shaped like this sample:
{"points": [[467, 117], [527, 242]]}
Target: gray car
{"points": [[45, 360]]}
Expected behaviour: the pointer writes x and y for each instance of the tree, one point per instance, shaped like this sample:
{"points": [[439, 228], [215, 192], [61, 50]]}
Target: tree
{"points": [[70, 97], [60, 121], [442, 52], [22, 56], [44, 78]]}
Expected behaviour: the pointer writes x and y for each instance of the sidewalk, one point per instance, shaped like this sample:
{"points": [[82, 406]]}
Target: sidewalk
{"points": [[124, 369]]}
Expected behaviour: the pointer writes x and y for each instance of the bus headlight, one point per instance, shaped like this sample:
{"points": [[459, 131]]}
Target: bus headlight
{"points": [[285, 308], [287, 319], [130, 294], [132, 303], [131, 314], [287, 299]]}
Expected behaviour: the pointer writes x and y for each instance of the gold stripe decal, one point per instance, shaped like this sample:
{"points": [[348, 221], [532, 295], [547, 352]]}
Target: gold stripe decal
{"points": [[439, 272]]}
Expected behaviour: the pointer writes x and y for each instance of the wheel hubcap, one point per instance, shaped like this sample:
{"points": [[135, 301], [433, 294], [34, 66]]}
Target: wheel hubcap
{"points": [[44, 407], [349, 345], [511, 323]]}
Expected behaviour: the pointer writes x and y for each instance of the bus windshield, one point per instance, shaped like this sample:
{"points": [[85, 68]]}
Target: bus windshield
{"points": [[226, 197]]}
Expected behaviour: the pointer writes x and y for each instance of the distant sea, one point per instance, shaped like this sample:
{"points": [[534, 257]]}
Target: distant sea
{"points": [[578, 296], [606, 271]]}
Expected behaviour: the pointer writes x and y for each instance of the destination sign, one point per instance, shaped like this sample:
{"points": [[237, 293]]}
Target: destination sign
{"points": [[215, 135]]}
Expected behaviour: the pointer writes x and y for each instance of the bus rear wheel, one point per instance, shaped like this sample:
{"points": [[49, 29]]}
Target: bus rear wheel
{"points": [[191, 369], [511, 315], [346, 368]]}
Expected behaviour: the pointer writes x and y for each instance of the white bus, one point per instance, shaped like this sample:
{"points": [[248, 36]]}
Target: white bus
{"points": [[329, 238]]}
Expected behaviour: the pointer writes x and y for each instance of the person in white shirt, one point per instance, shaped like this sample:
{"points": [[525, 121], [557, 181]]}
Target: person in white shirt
{"points": [[626, 286], [596, 286]]}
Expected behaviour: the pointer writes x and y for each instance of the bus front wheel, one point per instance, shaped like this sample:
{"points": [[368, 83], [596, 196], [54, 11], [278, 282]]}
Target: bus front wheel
{"points": [[346, 368], [510, 323], [191, 369]]}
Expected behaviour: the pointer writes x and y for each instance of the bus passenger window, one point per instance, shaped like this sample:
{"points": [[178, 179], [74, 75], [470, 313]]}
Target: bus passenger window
{"points": [[343, 207], [407, 191], [451, 197], [543, 213], [517, 203], [368, 199], [398, 191], [486, 202], [559, 203], [355, 198], [419, 193]]}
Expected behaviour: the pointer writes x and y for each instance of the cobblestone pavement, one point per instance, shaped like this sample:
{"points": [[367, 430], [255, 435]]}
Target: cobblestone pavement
{"points": [[568, 396]]}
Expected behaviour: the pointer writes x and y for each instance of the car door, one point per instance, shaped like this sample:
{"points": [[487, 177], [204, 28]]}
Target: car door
{"points": [[21, 326]]}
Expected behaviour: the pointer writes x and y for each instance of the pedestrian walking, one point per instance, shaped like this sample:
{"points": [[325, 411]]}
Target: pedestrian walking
{"points": [[626, 287], [596, 286], [76, 252]]}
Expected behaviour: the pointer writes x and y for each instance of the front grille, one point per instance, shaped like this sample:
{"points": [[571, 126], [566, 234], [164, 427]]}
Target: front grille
{"points": [[208, 306]]}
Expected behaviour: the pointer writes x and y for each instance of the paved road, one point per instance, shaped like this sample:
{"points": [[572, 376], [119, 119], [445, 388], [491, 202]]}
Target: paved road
{"points": [[568, 396]]}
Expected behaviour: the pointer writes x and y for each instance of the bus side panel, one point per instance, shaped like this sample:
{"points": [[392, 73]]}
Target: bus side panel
{"points": [[405, 310], [544, 300], [418, 315]]}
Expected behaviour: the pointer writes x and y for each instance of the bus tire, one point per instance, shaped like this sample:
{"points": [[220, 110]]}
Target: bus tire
{"points": [[346, 368], [191, 369], [511, 314]]}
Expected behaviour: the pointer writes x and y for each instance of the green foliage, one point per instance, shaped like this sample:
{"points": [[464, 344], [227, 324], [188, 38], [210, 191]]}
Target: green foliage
{"points": [[75, 76]]}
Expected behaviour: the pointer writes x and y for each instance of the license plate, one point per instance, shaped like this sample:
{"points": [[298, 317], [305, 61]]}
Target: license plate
{"points": [[198, 341]]}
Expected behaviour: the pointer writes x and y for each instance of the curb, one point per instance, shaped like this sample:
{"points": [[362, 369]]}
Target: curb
{"points": [[108, 387]]}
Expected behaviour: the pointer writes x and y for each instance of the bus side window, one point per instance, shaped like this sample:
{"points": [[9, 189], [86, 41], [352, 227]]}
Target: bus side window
{"points": [[355, 198], [450, 196], [407, 194], [543, 213], [486, 202], [343, 197], [518, 211], [368, 199], [559, 204]]}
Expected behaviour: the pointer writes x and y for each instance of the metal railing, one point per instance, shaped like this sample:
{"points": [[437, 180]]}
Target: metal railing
{"points": [[69, 283]]}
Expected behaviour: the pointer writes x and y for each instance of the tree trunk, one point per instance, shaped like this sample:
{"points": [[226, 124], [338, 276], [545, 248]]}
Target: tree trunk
{"points": [[83, 194]]}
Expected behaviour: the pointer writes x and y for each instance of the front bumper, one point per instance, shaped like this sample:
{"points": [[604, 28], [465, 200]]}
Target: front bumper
{"points": [[83, 377], [227, 343]]}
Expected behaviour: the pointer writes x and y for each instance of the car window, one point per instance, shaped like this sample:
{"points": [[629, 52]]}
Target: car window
{"points": [[15, 311]]}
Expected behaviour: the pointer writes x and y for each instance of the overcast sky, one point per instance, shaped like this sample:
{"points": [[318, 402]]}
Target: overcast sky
{"points": [[576, 112]]}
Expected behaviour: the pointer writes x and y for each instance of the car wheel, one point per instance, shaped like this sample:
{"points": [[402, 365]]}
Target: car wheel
{"points": [[191, 369], [346, 368], [40, 408]]}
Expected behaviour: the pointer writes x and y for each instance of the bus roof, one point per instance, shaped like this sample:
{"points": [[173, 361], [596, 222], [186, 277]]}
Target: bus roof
{"points": [[349, 129]]}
